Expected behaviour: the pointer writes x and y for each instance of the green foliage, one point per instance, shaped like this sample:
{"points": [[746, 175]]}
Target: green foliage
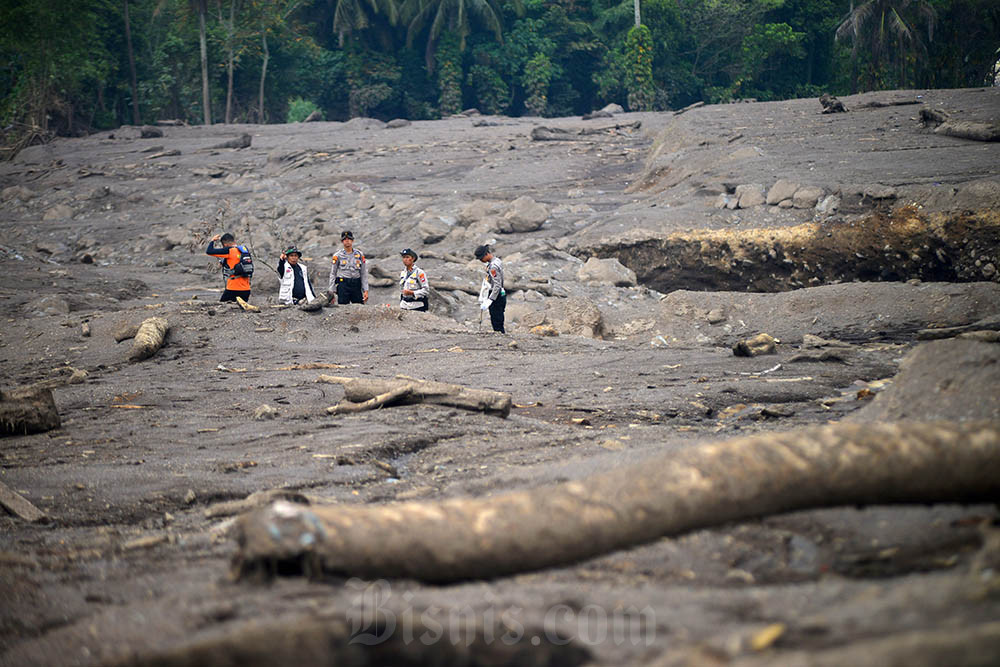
{"points": [[300, 109], [491, 92], [639, 68], [536, 78], [371, 78], [449, 74]]}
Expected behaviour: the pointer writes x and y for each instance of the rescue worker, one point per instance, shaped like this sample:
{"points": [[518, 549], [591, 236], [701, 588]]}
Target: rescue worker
{"points": [[349, 273], [294, 277], [496, 298], [237, 266], [413, 285]]}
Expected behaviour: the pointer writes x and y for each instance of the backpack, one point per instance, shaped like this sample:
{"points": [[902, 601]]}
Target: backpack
{"points": [[244, 268]]}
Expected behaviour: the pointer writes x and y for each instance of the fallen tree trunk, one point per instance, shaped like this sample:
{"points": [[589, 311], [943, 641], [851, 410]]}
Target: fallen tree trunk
{"points": [[25, 410], [359, 390], [447, 286], [388, 398], [967, 130], [707, 485], [149, 338], [16, 504]]}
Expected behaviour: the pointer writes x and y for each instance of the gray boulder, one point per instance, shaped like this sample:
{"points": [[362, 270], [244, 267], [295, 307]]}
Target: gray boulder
{"points": [[780, 191], [48, 305], [606, 271], [806, 197], [750, 195], [433, 227], [524, 215]]}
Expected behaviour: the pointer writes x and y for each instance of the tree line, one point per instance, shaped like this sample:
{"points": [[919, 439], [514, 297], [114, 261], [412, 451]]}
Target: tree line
{"points": [[73, 66]]}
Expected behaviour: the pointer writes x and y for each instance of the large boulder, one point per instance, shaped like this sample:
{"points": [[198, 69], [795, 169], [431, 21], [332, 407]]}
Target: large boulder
{"points": [[807, 197], [780, 191], [433, 227], [575, 316], [524, 215], [750, 195], [606, 271]]}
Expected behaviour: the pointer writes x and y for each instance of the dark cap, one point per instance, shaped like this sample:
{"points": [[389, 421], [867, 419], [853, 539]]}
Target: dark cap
{"points": [[481, 251], [293, 251], [409, 251], [346, 235]]}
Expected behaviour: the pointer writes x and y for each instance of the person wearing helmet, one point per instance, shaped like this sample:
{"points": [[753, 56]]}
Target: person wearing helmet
{"points": [[294, 277], [495, 298], [413, 285], [349, 273]]}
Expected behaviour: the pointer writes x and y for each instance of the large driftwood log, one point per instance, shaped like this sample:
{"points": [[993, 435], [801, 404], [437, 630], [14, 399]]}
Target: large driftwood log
{"points": [[967, 130], [25, 410], [149, 338], [359, 390], [707, 485], [448, 286], [16, 504], [388, 398]]}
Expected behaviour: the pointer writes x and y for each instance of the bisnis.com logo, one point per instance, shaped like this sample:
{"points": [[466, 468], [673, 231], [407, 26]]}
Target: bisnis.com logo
{"points": [[376, 616]]}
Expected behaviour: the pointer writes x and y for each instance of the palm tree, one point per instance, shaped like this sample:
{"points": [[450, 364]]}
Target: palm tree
{"points": [[876, 26], [436, 16], [357, 15]]}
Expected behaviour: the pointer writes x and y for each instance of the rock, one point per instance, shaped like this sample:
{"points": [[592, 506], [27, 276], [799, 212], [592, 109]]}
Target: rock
{"points": [[361, 123], [806, 197], [597, 114], [716, 316], [756, 346], [726, 201], [831, 104], [576, 316], [18, 192], [366, 200], [544, 330], [51, 247], [828, 205], [313, 117], [265, 412], [150, 132], [397, 123], [58, 212], [613, 108], [878, 192], [476, 210], [524, 215], [606, 271], [242, 141], [433, 228], [48, 305], [750, 195], [989, 271], [190, 497], [98, 193], [780, 191]]}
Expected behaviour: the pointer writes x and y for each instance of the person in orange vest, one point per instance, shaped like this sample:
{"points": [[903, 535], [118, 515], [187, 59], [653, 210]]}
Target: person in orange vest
{"points": [[237, 266]]}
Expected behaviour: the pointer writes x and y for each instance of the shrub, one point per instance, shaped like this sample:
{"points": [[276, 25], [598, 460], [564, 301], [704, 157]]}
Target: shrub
{"points": [[299, 109]]}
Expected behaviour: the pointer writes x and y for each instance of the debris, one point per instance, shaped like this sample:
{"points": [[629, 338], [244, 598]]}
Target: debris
{"points": [[322, 298], [125, 331], [359, 390], [246, 306], [243, 141], [765, 638], [145, 542], [459, 539], [150, 132], [311, 366], [831, 104], [265, 412], [149, 338], [253, 501], [386, 398], [29, 409], [190, 497], [967, 130], [544, 330], [16, 504], [85, 330], [756, 346]]}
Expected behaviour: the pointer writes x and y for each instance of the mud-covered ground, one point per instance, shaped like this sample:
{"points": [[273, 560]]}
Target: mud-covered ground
{"points": [[133, 562]]}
